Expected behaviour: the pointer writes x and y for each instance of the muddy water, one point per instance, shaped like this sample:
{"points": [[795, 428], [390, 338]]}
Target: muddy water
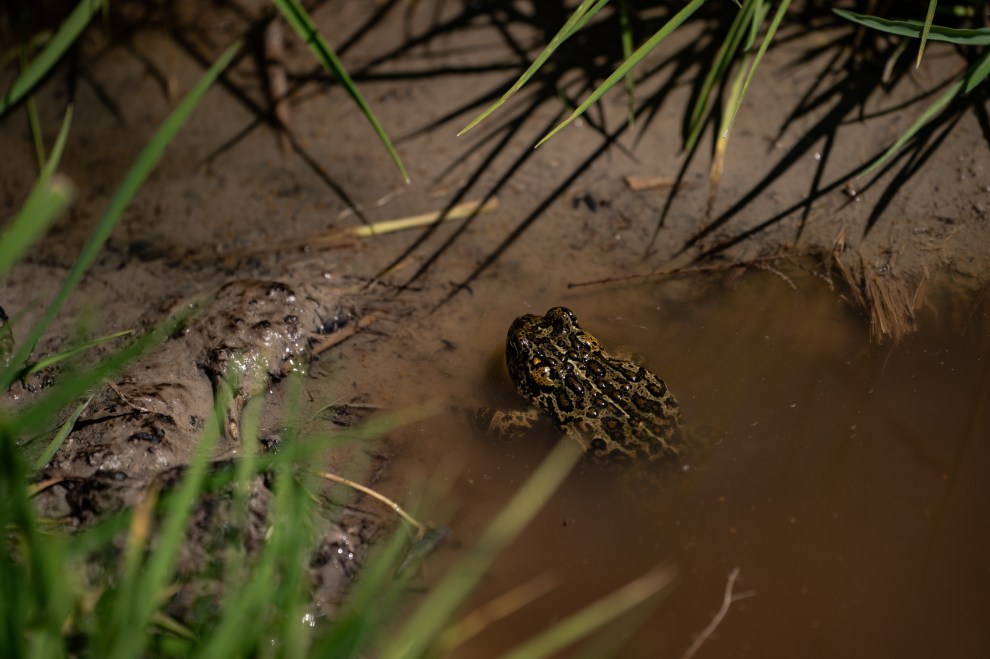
{"points": [[848, 487]]}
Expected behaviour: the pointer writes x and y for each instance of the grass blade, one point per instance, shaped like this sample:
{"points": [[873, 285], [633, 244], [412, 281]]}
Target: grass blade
{"points": [[60, 436], [133, 180], [723, 60], [37, 416], [436, 608], [925, 30], [925, 117], [977, 73], [34, 598], [66, 35], [303, 24], [585, 11], [143, 586], [774, 24], [51, 360], [48, 198], [628, 65], [916, 29], [595, 616], [45, 202]]}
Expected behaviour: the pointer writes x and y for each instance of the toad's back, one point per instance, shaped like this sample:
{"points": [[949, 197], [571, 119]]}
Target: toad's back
{"points": [[615, 408]]}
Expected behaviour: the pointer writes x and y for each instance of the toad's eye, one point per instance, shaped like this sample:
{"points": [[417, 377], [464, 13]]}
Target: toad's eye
{"points": [[535, 361]]}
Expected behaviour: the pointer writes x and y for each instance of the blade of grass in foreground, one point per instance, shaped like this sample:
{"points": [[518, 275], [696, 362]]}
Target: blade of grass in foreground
{"points": [[628, 65], [143, 584], [596, 615], [46, 202], [435, 610], [51, 360], [47, 199], [39, 415], [67, 34], [133, 180], [34, 592], [61, 435], [303, 24]]}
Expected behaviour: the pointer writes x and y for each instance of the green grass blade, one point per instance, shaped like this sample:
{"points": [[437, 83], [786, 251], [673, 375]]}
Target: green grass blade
{"points": [[925, 30], [925, 117], [51, 360], [756, 22], [56, 155], [436, 608], [35, 123], [60, 436], [35, 601], [46, 200], [581, 15], [49, 197], [133, 180], [961, 37], [37, 416], [774, 24], [723, 60], [66, 35], [595, 616], [142, 591], [628, 65], [976, 74], [303, 24], [368, 606]]}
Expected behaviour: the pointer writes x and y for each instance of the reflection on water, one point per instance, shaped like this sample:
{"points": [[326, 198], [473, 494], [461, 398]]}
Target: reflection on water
{"points": [[850, 488]]}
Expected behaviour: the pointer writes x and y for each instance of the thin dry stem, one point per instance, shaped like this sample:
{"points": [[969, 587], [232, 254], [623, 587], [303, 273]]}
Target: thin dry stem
{"points": [[500, 607], [727, 600], [420, 528], [36, 488], [338, 238], [341, 335]]}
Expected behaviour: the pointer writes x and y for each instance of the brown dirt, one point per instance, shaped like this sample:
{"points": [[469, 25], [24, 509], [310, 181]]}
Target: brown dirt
{"points": [[566, 213]]}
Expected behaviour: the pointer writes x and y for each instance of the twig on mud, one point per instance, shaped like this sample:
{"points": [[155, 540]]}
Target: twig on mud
{"points": [[37, 488], [458, 212], [727, 600], [761, 262], [421, 529], [339, 336]]}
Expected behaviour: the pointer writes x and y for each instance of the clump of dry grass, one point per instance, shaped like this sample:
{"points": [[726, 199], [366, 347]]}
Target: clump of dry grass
{"points": [[888, 296]]}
